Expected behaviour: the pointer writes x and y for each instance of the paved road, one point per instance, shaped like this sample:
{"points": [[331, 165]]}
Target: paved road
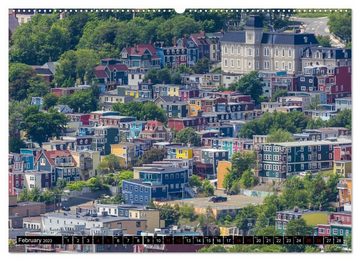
{"points": [[318, 26]]}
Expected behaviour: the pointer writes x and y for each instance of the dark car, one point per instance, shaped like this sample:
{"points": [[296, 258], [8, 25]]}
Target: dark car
{"points": [[218, 199], [65, 208]]}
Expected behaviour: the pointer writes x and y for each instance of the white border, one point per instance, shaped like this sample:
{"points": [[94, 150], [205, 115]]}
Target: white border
{"points": [[179, 5]]}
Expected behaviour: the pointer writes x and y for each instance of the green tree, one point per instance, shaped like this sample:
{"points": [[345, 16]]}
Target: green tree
{"points": [[81, 101], [292, 122], [248, 179], [187, 211], [277, 94], [23, 82], [188, 136], [341, 119], [154, 154], [324, 40], [280, 135], [246, 219], [40, 126], [76, 66], [340, 25], [195, 181], [142, 111], [297, 227], [202, 66], [207, 189], [250, 84], [169, 214], [109, 164], [41, 40], [49, 101], [213, 249]]}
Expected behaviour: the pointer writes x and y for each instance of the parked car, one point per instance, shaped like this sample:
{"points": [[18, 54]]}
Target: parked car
{"points": [[218, 199], [65, 208]]}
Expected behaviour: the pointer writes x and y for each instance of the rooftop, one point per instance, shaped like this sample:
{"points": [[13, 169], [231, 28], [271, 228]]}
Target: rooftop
{"points": [[311, 142]]}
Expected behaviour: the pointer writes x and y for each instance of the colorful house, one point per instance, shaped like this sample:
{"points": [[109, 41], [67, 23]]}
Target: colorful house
{"points": [[173, 107], [155, 184], [179, 152], [154, 130], [345, 192], [223, 169], [103, 137], [280, 160], [140, 56], [60, 163]]}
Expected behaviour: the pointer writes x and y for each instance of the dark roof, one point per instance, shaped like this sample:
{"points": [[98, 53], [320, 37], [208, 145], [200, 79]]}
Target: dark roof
{"points": [[234, 37], [170, 98], [254, 21], [288, 38], [335, 53], [42, 70]]}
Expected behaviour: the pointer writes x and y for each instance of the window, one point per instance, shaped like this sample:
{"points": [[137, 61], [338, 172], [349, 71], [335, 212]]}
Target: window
{"points": [[290, 65], [283, 52], [249, 52], [290, 53], [225, 63], [335, 231], [238, 63], [266, 51]]}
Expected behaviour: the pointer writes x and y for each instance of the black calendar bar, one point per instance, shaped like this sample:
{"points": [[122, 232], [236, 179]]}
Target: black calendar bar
{"points": [[199, 240]]}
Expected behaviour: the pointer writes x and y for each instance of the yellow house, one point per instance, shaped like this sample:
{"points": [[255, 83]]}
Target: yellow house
{"points": [[132, 93], [125, 151], [173, 90], [345, 191], [229, 231], [152, 217], [184, 153], [343, 168], [222, 170], [194, 107]]}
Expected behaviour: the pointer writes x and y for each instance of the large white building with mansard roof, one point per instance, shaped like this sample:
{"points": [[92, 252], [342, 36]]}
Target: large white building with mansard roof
{"points": [[253, 49]]}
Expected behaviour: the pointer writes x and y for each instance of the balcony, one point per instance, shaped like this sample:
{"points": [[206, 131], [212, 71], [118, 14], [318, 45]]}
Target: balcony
{"points": [[341, 186]]}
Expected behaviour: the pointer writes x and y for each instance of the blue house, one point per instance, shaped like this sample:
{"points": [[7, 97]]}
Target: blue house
{"points": [[155, 184]]}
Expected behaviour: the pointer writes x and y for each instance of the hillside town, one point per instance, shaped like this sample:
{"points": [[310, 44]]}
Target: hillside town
{"points": [[157, 125]]}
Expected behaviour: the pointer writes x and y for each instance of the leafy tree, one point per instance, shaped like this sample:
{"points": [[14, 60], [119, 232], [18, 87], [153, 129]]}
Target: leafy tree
{"points": [[340, 24], [341, 119], [250, 84], [65, 70], [15, 144], [324, 40], [202, 66], [194, 181], [76, 66], [278, 93], [213, 249], [142, 111], [169, 214], [248, 179], [207, 189], [154, 154], [49, 101], [332, 248], [188, 136], [81, 101], [187, 211], [280, 135], [242, 161], [246, 219], [23, 82], [297, 227], [40, 126], [292, 122], [109, 164], [41, 40], [124, 175]]}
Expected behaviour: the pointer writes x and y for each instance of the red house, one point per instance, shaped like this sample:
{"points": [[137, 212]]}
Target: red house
{"points": [[342, 152], [336, 83]]}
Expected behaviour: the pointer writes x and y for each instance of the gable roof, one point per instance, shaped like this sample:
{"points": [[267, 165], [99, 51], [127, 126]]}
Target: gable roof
{"points": [[52, 154], [140, 49]]}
